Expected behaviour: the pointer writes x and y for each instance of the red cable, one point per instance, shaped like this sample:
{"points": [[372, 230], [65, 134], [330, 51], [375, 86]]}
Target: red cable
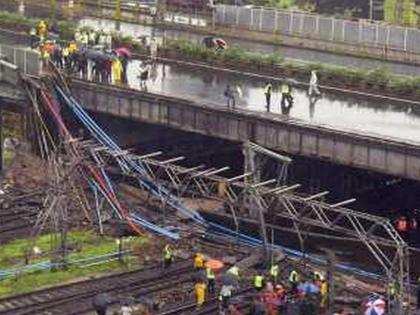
{"points": [[55, 114], [112, 197]]}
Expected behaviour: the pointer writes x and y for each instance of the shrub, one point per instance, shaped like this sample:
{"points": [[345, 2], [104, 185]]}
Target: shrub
{"points": [[378, 76]]}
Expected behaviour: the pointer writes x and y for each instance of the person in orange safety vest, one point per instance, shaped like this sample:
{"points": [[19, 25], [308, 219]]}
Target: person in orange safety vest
{"points": [[402, 224]]}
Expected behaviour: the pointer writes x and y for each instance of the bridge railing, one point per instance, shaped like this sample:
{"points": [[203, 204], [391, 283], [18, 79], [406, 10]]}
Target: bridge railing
{"points": [[316, 26], [27, 60]]}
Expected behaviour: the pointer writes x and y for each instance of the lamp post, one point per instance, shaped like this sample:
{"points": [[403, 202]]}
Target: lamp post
{"points": [[117, 14]]}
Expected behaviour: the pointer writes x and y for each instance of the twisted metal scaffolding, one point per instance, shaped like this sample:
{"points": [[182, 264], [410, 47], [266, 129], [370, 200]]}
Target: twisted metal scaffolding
{"points": [[250, 198], [169, 184]]}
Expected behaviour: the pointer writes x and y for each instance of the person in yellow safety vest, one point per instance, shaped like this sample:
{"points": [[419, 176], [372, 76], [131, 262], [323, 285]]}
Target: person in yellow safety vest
{"points": [[286, 94], [84, 39], [294, 280], [323, 290], [46, 57], [199, 261], [77, 36], [167, 256], [42, 30], [258, 281], [116, 68], [274, 272], [234, 270], [72, 48], [92, 38], [200, 293], [392, 291], [268, 90], [211, 280]]}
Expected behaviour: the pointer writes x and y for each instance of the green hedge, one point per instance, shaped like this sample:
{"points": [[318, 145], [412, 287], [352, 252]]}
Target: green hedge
{"points": [[67, 28], [379, 78]]}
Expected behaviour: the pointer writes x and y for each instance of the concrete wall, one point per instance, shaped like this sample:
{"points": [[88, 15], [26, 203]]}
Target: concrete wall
{"points": [[275, 132]]}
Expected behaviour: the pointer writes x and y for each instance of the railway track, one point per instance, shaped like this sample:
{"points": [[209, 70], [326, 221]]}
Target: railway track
{"points": [[76, 298], [211, 306], [16, 222]]}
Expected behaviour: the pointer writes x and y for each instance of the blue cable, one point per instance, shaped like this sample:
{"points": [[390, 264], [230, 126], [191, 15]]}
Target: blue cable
{"points": [[104, 139]]}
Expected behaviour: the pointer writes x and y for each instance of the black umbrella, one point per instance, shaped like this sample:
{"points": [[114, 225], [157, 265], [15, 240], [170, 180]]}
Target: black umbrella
{"points": [[94, 54], [101, 300]]}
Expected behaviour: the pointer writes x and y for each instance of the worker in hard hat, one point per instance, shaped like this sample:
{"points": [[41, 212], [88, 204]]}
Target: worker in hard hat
{"points": [[274, 272], [42, 30], [167, 256], [199, 261], [294, 280], [211, 280], [258, 281]]}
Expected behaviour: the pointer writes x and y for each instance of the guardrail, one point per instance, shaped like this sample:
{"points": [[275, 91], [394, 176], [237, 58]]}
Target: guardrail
{"points": [[361, 32], [47, 265], [27, 60]]}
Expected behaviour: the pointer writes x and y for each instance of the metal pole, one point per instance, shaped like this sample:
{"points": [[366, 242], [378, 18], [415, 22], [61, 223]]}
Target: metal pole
{"points": [[118, 14], [331, 260], [120, 244], [371, 10], [53, 9]]}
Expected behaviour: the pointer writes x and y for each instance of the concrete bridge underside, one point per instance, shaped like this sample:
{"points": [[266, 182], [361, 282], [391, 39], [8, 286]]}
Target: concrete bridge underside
{"points": [[273, 131]]}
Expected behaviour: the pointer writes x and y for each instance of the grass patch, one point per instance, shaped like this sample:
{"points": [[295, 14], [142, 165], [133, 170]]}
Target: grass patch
{"points": [[82, 244]]}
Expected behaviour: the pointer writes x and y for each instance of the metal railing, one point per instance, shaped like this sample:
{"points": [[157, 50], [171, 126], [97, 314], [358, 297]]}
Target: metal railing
{"points": [[27, 60], [362, 32]]}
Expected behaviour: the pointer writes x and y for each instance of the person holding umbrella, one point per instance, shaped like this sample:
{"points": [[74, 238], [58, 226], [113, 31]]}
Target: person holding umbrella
{"points": [[375, 305], [224, 296], [100, 303], [124, 54], [116, 68], [211, 265]]}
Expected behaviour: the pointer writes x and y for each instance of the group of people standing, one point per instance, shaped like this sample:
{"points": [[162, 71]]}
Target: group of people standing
{"points": [[286, 96], [297, 295], [273, 294], [233, 92], [89, 53]]}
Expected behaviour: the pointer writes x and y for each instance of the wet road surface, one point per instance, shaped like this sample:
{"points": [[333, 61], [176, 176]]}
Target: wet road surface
{"points": [[333, 110], [300, 54]]}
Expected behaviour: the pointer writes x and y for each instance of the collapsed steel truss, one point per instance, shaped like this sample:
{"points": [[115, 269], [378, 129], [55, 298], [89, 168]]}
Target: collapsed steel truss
{"points": [[245, 195]]}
